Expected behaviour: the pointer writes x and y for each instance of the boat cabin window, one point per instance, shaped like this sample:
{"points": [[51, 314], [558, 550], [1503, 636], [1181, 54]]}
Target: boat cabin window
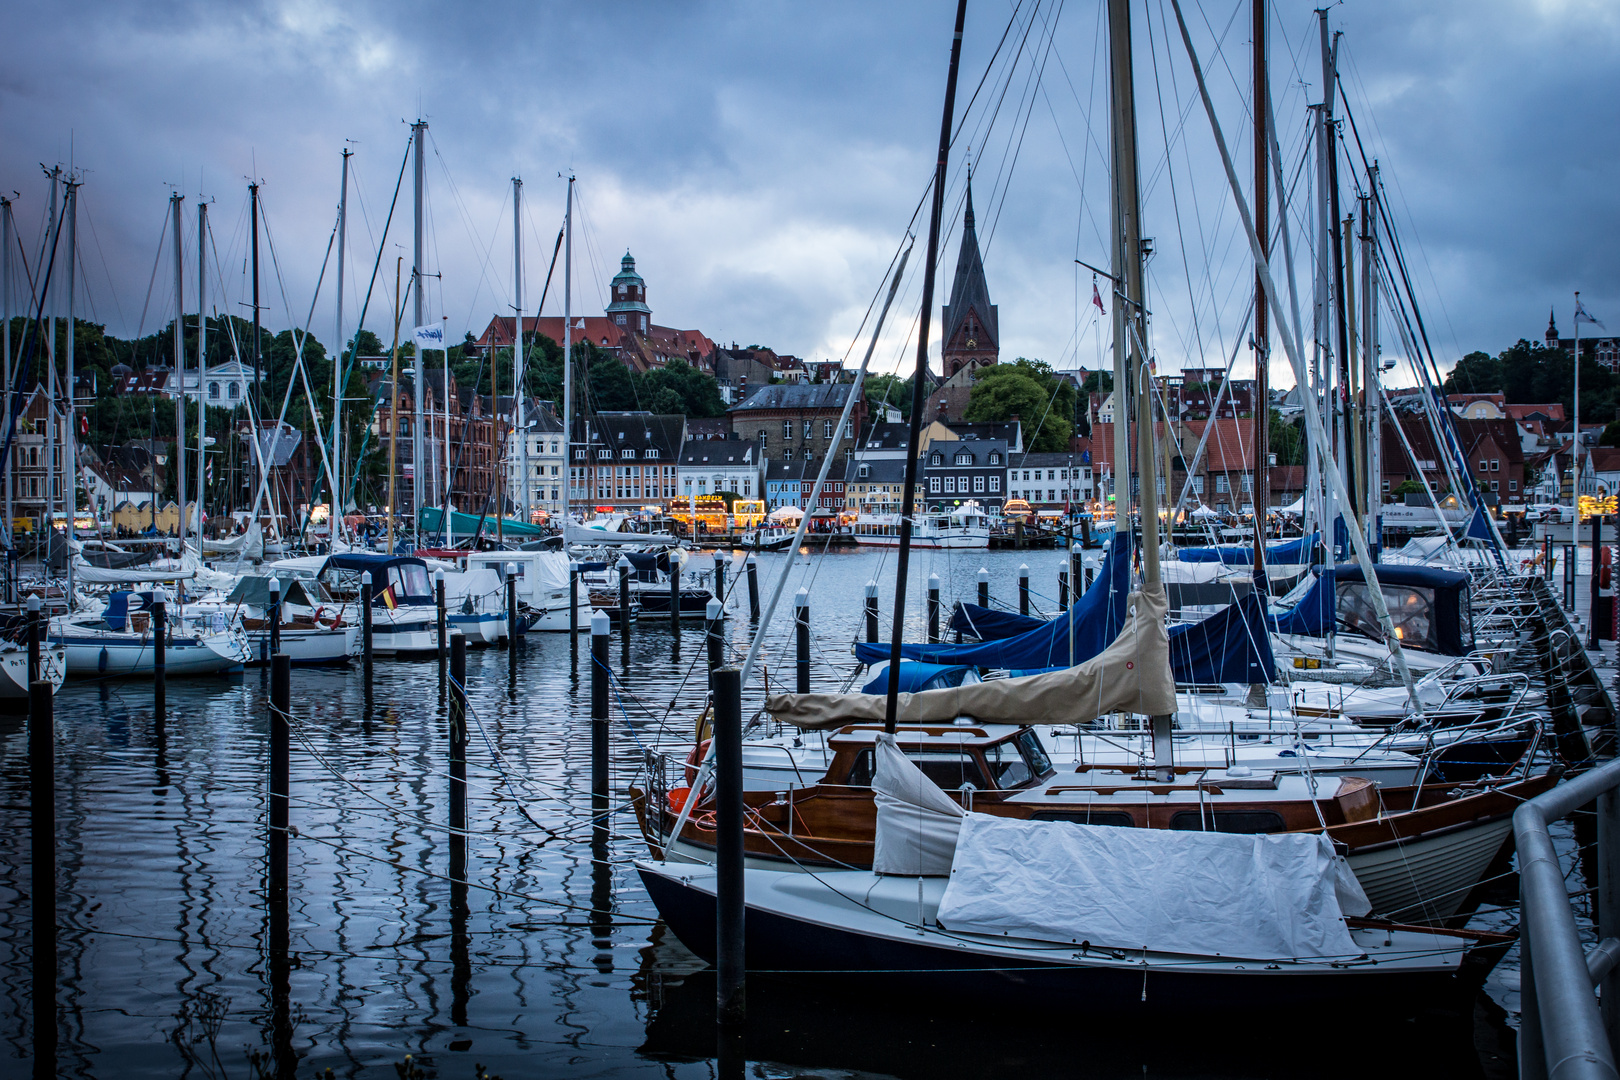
{"points": [[1007, 766], [1246, 822], [408, 579], [950, 769], [1411, 610]]}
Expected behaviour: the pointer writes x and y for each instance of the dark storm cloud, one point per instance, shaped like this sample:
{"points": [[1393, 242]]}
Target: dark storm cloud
{"points": [[762, 160]]}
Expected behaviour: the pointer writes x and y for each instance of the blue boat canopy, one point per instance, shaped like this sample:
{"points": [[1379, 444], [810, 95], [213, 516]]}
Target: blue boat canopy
{"points": [[1429, 605], [915, 676], [1288, 552], [1096, 617]]}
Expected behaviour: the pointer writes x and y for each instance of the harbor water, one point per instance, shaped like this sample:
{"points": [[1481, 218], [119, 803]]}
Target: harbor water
{"points": [[550, 960]]}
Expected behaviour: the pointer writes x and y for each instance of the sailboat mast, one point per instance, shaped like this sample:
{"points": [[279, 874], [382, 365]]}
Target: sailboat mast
{"points": [[6, 229], [1129, 257], [1340, 310], [1262, 314], [336, 520], [51, 451], [418, 459], [568, 356], [70, 461], [393, 409], [257, 398], [179, 367], [202, 359], [519, 354], [919, 378], [1369, 347]]}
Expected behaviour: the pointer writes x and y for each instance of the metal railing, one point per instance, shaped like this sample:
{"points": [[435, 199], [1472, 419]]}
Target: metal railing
{"points": [[1564, 1032]]}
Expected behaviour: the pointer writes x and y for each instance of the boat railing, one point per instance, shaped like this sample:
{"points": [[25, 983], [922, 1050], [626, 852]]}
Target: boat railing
{"points": [[1563, 1029]]}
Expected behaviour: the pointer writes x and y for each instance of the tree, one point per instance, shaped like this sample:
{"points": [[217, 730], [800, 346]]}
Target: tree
{"points": [[1287, 442], [1476, 373], [692, 392], [888, 390], [1032, 392]]}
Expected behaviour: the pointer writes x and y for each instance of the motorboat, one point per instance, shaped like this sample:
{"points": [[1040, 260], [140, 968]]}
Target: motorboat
{"points": [[542, 587], [964, 528], [119, 641]]}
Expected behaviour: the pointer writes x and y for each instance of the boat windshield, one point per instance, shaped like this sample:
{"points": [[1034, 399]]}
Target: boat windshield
{"points": [[410, 579]]}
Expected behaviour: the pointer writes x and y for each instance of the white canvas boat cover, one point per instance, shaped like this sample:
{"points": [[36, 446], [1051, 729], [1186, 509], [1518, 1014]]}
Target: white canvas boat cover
{"points": [[483, 586], [96, 575], [1267, 897], [1131, 675], [917, 823], [248, 544]]}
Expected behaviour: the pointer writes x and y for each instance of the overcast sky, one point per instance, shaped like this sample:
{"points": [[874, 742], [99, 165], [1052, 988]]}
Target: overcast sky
{"points": [[763, 161]]}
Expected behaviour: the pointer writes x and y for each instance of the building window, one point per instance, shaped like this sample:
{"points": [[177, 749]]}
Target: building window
{"points": [[950, 484], [787, 429], [233, 391], [1221, 486], [1482, 465], [995, 457], [933, 485], [604, 455], [627, 454], [1513, 485], [826, 429], [651, 453], [964, 458], [1496, 464], [936, 458], [763, 438], [213, 391], [809, 454], [1198, 485], [865, 471], [978, 484], [995, 484], [579, 455], [809, 429]]}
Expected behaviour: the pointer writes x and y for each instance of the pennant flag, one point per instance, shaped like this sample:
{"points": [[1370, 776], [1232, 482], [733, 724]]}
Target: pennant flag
{"points": [[1582, 315], [389, 598], [430, 337], [1096, 297], [84, 425], [210, 472]]}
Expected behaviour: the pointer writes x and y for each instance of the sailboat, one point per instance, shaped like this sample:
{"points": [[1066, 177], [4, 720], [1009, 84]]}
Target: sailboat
{"points": [[1049, 899]]}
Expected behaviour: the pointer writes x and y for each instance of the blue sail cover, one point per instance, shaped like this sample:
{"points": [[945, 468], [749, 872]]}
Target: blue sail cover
{"points": [[1314, 613], [1097, 618], [1289, 551], [915, 676], [1229, 646], [988, 624]]}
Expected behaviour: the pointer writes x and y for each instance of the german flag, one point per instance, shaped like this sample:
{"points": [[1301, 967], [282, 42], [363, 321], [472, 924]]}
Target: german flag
{"points": [[389, 598]]}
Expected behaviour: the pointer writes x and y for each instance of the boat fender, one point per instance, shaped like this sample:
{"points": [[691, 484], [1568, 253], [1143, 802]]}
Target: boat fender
{"points": [[101, 661], [694, 759]]}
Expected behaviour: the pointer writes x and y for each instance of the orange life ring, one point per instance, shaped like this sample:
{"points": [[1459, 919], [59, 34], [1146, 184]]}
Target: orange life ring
{"points": [[695, 759]]}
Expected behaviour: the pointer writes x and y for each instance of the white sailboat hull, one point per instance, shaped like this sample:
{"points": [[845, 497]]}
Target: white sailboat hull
{"points": [[14, 671]]}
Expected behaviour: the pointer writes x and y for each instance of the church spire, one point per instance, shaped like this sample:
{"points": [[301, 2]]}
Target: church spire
{"points": [[972, 335], [1552, 329]]}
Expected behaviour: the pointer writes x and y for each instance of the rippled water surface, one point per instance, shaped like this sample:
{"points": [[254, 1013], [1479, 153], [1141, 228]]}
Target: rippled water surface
{"points": [[550, 961]]}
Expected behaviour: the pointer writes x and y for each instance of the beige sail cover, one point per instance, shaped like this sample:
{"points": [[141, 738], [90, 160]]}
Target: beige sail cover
{"points": [[1131, 675]]}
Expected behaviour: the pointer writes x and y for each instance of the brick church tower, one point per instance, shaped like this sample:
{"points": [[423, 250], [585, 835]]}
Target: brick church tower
{"points": [[628, 307], [972, 335]]}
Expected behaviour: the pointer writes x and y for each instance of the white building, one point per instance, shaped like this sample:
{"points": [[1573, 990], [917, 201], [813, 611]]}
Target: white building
{"points": [[708, 466], [545, 463], [1049, 481], [222, 386]]}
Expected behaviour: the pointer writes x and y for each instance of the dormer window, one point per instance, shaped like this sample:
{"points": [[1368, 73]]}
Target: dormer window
{"points": [[936, 459], [995, 457], [865, 471], [604, 455], [579, 455], [627, 453], [964, 458], [652, 453]]}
